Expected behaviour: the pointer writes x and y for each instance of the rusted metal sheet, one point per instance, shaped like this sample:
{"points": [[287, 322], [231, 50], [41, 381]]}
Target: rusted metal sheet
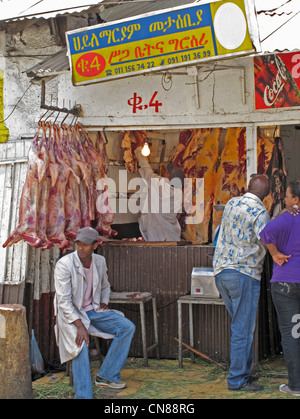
{"points": [[39, 294], [13, 260], [166, 272]]}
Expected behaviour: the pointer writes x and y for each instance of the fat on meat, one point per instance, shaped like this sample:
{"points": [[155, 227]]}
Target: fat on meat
{"points": [[28, 215], [59, 194], [56, 219], [103, 214]]}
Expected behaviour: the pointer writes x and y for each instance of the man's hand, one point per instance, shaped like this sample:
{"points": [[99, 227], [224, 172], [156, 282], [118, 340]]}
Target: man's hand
{"points": [[82, 333], [280, 258], [104, 306], [291, 210], [277, 256]]}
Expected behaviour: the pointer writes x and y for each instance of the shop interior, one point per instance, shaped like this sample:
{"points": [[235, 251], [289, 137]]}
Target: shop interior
{"points": [[216, 154]]}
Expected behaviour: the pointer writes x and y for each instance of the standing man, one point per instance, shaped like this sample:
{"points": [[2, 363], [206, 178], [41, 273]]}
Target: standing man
{"points": [[163, 202], [81, 301], [238, 263]]}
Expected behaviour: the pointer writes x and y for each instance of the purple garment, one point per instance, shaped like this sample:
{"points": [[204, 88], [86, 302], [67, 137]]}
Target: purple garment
{"points": [[284, 232]]}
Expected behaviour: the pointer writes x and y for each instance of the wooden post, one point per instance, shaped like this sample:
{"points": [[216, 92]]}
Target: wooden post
{"points": [[15, 368]]}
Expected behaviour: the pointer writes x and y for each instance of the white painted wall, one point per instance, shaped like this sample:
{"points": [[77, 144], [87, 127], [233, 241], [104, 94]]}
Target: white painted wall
{"points": [[226, 93]]}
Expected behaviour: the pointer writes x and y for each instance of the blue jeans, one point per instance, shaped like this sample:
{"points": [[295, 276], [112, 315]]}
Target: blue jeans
{"points": [[286, 298], [123, 329], [240, 294]]}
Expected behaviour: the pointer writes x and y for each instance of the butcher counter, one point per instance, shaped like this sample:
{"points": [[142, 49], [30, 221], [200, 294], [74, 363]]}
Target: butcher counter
{"points": [[164, 269]]}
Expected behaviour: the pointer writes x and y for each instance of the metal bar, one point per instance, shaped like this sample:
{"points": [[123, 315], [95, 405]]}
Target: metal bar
{"points": [[155, 326], [76, 110], [190, 348], [191, 329], [7, 162], [152, 347], [179, 333], [144, 340]]}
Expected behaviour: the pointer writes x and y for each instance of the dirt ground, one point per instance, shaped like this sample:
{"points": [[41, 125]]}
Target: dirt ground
{"points": [[163, 379]]}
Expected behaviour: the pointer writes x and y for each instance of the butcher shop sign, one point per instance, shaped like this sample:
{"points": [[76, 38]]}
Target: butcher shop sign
{"points": [[159, 41]]}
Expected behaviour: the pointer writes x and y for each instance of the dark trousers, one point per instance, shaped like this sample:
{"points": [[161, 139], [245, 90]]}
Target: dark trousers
{"points": [[286, 298]]}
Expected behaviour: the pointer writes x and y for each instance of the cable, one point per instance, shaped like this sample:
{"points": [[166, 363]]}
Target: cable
{"points": [[272, 33], [149, 310], [14, 108]]}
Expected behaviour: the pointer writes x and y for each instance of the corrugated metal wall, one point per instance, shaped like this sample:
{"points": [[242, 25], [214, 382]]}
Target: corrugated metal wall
{"points": [[13, 260], [166, 272], [26, 274]]}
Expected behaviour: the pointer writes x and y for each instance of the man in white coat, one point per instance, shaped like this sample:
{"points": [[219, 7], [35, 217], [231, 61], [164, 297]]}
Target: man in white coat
{"points": [[81, 303], [163, 202]]}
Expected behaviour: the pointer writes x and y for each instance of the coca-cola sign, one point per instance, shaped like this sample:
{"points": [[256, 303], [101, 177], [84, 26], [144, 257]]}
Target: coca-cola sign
{"points": [[277, 80]]}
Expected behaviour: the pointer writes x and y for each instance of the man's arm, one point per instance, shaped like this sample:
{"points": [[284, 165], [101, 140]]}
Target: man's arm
{"points": [[277, 256], [145, 170], [82, 333]]}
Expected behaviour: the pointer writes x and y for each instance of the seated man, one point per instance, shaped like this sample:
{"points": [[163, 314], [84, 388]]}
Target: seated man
{"points": [[82, 296]]}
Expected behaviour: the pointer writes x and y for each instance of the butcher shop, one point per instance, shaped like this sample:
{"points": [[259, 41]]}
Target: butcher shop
{"points": [[146, 96]]}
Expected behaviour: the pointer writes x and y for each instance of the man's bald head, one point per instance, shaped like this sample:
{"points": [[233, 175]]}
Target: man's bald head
{"points": [[259, 185]]}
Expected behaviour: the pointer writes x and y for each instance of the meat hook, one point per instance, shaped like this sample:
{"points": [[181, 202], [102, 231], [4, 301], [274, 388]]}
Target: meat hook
{"points": [[65, 118], [56, 117], [44, 115]]}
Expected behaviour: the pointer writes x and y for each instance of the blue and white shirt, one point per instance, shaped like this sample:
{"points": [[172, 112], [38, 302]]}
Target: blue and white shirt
{"points": [[239, 246]]}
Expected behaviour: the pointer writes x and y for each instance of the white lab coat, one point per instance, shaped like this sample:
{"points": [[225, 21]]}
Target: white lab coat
{"points": [[70, 286], [158, 225]]}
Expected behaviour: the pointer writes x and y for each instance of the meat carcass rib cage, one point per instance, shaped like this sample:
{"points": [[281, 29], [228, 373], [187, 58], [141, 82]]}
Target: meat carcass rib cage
{"points": [[59, 194]]}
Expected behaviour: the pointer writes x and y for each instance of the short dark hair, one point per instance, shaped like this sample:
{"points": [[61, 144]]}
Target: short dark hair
{"points": [[176, 173], [295, 188]]}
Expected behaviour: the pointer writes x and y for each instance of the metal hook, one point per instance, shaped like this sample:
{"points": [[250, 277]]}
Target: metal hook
{"points": [[104, 134], [49, 115], [74, 118], [56, 117], [44, 115], [65, 118]]}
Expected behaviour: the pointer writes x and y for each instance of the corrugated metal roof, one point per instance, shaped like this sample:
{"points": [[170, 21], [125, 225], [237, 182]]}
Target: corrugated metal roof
{"points": [[56, 64], [279, 22], [28, 9], [123, 11]]}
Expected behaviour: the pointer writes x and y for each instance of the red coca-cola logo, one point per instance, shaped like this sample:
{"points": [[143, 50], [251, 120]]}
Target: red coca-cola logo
{"points": [[272, 92]]}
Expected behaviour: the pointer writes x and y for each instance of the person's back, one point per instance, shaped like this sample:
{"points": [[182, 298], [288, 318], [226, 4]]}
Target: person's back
{"points": [[238, 262], [238, 246], [285, 232]]}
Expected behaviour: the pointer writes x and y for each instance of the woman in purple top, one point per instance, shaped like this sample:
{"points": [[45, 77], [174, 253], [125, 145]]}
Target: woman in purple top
{"points": [[282, 238]]}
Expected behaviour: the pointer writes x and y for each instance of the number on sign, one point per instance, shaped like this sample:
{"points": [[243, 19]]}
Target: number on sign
{"points": [[155, 104], [136, 103]]}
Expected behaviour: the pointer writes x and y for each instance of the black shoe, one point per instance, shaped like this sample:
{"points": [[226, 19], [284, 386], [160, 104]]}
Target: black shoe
{"points": [[249, 386]]}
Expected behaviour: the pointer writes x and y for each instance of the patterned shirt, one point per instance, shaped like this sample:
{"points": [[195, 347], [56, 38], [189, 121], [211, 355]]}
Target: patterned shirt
{"points": [[238, 246]]}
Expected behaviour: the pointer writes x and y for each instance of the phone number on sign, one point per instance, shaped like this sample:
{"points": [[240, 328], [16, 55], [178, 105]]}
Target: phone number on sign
{"points": [[151, 64]]}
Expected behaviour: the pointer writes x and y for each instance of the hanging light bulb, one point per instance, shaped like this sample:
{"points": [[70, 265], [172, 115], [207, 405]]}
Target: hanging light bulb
{"points": [[146, 150]]}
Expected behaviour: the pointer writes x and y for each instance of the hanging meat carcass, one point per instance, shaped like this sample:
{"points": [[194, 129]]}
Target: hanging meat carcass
{"points": [[219, 157], [265, 147], [230, 180], [199, 160], [38, 160], [129, 143], [277, 173], [59, 195], [103, 215]]}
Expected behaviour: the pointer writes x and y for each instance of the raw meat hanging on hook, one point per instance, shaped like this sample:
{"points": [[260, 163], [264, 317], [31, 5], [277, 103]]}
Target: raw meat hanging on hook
{"points": [[60, 191]]}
